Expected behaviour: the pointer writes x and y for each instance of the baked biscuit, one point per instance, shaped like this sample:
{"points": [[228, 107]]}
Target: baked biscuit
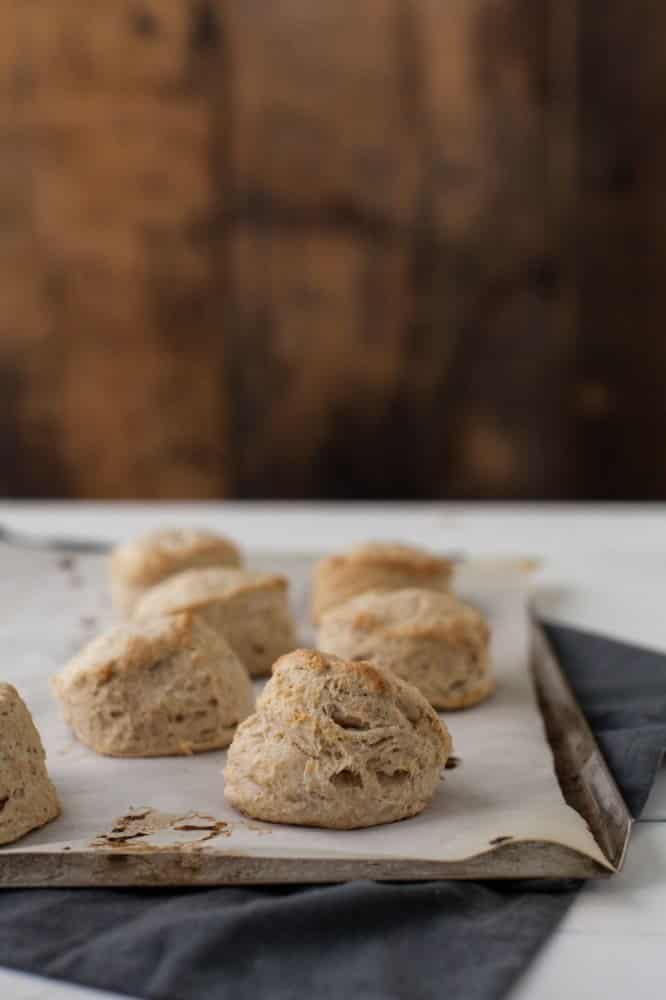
{"points": [[27, 797], [250, 609], [375, 566], [430, 639], [158, 688], [137, 565], [336, 744]]}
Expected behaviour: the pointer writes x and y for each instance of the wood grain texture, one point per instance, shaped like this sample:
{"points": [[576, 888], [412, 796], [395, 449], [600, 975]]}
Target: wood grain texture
{"points": [[124, 361], [395, 269], [286, 249], [622, 248]]}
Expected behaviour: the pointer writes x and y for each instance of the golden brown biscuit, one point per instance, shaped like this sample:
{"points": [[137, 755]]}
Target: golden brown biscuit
{"points": [[376, 566], [163, 687], [336, 744], [140, 564], [250, 609], [430, 639], [28, 798]]}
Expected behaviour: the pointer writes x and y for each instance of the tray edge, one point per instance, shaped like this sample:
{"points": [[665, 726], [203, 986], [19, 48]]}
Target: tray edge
{"points": [[585, 779]]}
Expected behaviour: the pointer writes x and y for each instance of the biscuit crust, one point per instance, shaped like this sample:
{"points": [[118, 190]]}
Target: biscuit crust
{"points": [[143, 562], [169, 686], [376, 566], [251, 610], [28, 798], [433, 640], [336, 744]]}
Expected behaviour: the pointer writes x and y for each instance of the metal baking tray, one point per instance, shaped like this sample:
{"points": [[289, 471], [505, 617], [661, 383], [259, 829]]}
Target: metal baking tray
{"points": [[585, 780]]}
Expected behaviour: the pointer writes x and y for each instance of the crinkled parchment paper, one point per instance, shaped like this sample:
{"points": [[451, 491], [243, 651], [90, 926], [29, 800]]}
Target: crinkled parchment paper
{"points": [[504, 787]]}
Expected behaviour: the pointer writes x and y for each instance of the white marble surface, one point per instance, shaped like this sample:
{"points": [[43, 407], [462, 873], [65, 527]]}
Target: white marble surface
{"points": [[604, 569]]}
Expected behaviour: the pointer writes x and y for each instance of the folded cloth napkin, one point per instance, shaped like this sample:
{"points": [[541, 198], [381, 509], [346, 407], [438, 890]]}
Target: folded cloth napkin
{"points": [[364, 940]]}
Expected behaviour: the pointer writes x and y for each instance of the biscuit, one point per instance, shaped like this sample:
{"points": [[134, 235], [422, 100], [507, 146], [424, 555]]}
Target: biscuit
{"points": [[137, 565], [28, 798], [375, 566], [159, 688], [250, 609], [336, 744], [430, 639]]}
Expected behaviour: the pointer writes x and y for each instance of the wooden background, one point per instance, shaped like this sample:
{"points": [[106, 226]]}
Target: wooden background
{"points": [[351, 248]]}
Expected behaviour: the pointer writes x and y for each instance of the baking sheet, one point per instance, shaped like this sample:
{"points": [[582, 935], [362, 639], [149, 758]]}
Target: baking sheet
{"points": [[504, 791]]}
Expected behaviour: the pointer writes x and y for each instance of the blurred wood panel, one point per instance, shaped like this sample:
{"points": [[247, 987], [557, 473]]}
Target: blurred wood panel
{"points": [[286, 249], [112, 105], [429, 362], [623, 248]]}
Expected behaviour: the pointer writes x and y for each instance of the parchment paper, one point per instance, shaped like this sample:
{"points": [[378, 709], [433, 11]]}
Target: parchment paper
{"points": [[505, 785]]}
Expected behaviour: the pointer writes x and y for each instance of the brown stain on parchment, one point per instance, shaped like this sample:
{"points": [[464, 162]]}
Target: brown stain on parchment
{"points": [[133, 830]]}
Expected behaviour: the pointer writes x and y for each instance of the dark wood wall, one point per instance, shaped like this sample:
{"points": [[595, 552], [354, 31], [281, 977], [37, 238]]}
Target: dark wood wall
{"points": [[370, 248], [622, 253]]}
